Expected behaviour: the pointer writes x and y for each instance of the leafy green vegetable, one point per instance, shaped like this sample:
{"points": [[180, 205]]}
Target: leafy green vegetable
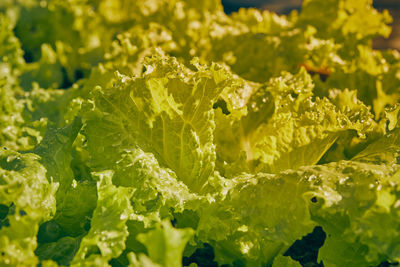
{"points": [[108, 231], [167, 133], [165, 245], [27, 198]]}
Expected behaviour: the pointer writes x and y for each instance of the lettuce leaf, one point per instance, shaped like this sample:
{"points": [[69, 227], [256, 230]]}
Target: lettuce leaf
{"points": [[168, 133], [108, 231], [340, 197], [286, 127], [27, 198], [165, 244], [168, 112]]}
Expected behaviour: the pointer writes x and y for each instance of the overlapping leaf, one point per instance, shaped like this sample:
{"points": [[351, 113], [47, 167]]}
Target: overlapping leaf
{"points": [[243, 157]]}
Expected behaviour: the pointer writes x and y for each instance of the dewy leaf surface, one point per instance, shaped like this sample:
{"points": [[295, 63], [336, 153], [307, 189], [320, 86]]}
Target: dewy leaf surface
{"points": [[167, 112], [157, 189], [108, 232], [168, 133], [346, 198], [27, 198], [286, 126]]}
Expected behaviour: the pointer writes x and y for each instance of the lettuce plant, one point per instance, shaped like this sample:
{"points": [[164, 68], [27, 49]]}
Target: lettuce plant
{"points": [[167, 133]]}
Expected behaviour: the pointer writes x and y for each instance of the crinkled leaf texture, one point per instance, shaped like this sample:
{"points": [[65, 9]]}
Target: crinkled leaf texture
{"points": [[165, 244], [168, 112], [354, 202], [286, 126], [156, 133], [27, 198], [108, 232]]}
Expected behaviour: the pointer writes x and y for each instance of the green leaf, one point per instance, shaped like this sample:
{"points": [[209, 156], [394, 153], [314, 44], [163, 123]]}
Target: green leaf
{"points": [[285, 261], [167, 112], [55, 152], [16, 131], [157, 190], [141, 261], [61, 251], [393, 117], [26, 198], [295, 126], [46, 72], [261, 47], [10, 48], [73, 220], [385, 150], [165, 244], [347, 199], [345, 20], [56, 155], [286, 127], [108, 231]]}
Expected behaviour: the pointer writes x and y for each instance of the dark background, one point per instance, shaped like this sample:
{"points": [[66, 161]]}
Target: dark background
{"points": [[285, 6]]}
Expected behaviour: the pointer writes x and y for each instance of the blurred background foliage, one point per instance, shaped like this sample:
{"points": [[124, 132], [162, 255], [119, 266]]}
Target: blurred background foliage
{"points": [[286, 6]]}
